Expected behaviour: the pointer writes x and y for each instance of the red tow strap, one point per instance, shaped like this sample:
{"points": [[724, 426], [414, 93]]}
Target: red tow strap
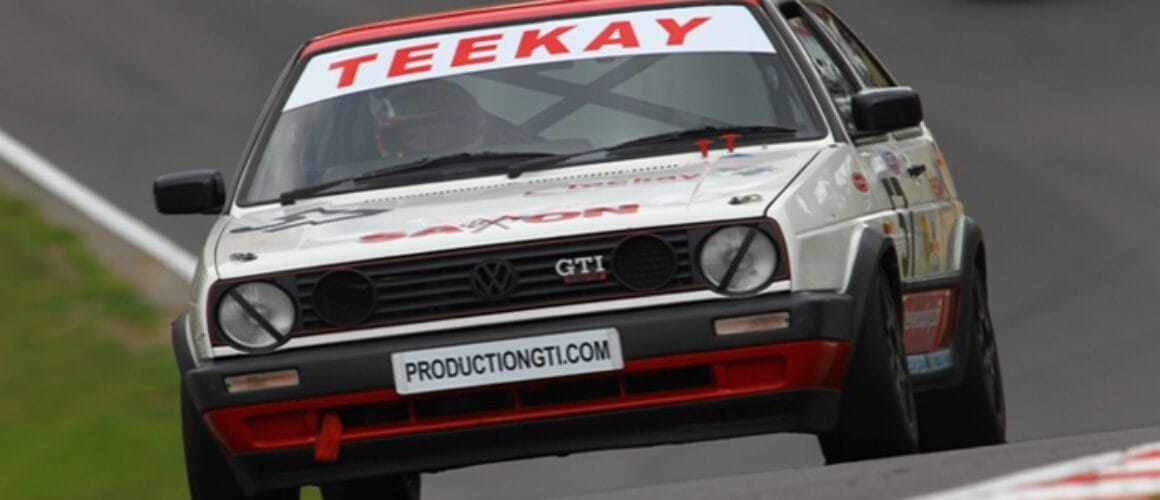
{"points": [[329, 439]]}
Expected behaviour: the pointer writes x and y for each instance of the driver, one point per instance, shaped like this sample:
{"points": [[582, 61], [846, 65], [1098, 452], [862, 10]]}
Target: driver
{"points": [[426, 118]]}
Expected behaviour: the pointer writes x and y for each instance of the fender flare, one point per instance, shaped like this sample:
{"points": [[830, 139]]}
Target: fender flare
{"points": [[971, 250], [179, 338], [873, 249]]}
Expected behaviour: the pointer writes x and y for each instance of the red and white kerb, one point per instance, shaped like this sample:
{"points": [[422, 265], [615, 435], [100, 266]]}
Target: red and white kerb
{"points": [[1120, 475], [689, 29]]}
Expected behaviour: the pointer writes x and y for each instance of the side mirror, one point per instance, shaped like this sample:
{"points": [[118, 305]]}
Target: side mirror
{"points": [[190, 192], [878, 111]]}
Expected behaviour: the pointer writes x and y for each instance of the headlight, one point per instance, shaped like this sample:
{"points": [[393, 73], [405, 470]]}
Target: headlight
{"points": [[256, 316], [738, 259]]}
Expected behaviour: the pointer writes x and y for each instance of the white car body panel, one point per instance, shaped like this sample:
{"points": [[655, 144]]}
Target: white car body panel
{"points": [[822, 214], [806, 187]]}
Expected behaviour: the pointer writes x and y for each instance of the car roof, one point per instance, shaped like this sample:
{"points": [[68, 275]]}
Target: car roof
{"points": [[495, 14]]}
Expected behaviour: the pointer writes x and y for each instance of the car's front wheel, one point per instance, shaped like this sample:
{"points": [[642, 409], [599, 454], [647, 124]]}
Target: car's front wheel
{"points": [[877, 416]]}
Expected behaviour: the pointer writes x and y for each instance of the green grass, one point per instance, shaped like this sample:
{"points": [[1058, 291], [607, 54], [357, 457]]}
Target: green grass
{"points": [[88, 388]]}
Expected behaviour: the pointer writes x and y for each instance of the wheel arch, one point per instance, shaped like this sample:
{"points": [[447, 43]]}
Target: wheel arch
{"points": [[970, 257], [874, 250], [972, 260], [179, 338]]}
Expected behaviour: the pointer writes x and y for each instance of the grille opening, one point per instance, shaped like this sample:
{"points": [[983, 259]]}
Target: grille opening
{"points": [[669, 380], [458, 404], [343, 297], [570, 391], [644, 262], [369, 415]]}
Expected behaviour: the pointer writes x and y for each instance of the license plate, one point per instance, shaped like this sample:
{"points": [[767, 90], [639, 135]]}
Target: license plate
{"points": [[506, 361]]}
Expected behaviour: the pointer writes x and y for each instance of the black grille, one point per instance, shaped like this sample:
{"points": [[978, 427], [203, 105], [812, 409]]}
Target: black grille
{"points": [[441, 287]]}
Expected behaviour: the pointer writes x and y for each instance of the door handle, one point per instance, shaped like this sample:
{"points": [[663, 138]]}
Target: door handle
{"points": [[916, 170]]}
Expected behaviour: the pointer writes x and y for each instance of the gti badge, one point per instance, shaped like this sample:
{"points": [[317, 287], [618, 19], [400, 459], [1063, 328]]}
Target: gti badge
{"points": [[582, 269]]}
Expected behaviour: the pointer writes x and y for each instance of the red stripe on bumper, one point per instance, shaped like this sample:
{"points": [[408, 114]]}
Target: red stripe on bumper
{"points": [[645, 382]]}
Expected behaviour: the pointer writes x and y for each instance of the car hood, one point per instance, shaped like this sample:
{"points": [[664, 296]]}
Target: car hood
{"points": [[486, 211]]}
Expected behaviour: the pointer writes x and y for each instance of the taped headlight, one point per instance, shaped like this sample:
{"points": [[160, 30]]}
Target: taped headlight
{"points": [[738, 260], [256, 316]]}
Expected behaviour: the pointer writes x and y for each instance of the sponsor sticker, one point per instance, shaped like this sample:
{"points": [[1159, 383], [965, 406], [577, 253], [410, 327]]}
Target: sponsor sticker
{"points": [[688, 29], [507, 361], [312, 217], [892, 162], [860, 182], [929, 362], [748, 171], [936, 186], [613, 183], [926, 319], [502, 222]]}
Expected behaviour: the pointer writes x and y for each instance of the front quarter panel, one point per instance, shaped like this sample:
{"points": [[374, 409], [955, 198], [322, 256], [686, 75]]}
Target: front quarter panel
{"points": [[204, 276], [822, 215]]}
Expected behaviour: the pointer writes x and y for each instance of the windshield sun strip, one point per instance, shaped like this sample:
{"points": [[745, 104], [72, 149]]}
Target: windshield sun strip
{"points": [[607, 98]]}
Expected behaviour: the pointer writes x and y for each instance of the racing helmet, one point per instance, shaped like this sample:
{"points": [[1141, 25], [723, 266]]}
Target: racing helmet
{"points": [[425, 117]]}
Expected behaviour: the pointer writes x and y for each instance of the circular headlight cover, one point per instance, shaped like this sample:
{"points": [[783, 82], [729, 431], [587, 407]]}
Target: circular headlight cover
{"points": [[738, 259], [256, 316]]}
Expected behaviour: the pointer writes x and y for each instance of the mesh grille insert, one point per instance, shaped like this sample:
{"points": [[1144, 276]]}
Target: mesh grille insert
{"points": [[644, 262]]}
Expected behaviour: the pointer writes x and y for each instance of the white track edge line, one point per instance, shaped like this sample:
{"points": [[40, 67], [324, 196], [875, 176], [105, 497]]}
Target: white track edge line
{"points": [[96, 208]]}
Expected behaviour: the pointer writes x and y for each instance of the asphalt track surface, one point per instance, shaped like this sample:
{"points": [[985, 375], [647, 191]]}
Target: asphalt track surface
{"points": [[1046, 110]]}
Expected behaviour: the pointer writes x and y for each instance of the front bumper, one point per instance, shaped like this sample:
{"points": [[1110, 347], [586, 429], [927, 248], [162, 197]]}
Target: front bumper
{"points": [[680, 382]]}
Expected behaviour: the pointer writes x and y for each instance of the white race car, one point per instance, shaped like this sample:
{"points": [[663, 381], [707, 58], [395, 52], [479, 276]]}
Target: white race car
{"points": [[561, 226]]}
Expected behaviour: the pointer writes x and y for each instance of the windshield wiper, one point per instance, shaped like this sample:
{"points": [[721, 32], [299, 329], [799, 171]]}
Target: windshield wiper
{"points": [[289, 197], [710, 131], [693, 133]]}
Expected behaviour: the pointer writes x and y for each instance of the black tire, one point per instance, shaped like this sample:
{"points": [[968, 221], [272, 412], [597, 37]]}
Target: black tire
{"points": [[206, 469], [973, 413], [404, 487], [877, 416]]}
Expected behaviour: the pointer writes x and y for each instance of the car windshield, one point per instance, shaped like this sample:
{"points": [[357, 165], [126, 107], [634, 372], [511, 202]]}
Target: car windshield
{"points": [[544, 88]]}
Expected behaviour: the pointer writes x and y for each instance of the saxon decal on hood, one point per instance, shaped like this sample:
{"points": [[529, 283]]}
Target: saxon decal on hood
{"points": [[502, 222]]}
